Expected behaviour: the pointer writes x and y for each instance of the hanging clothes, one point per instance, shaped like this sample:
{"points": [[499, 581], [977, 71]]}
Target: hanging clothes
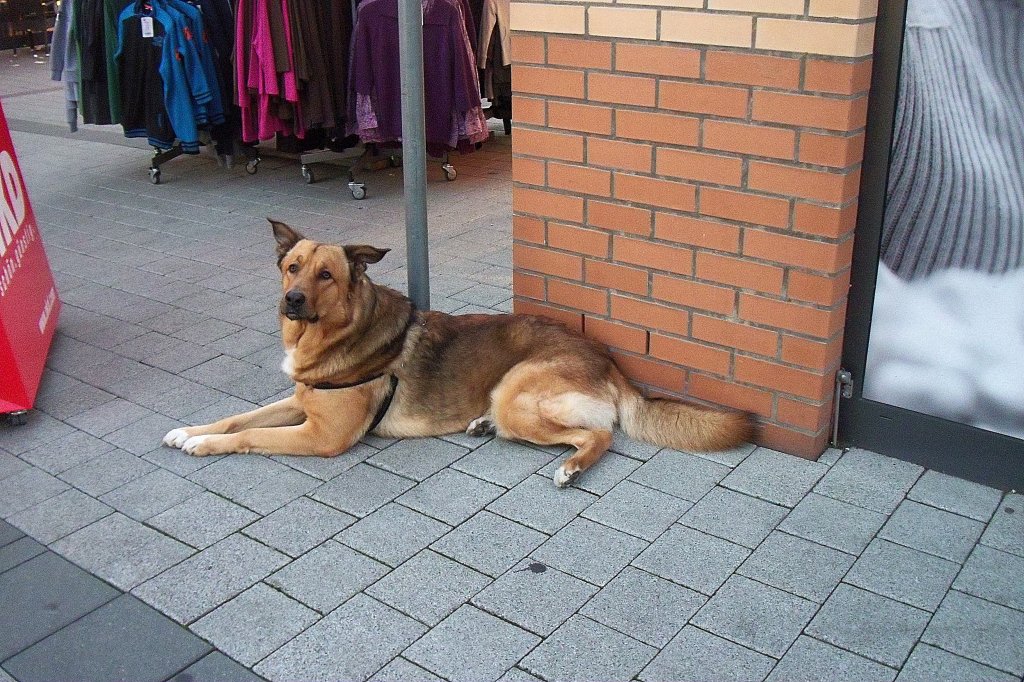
{"points": [[64, 61], [454, 118], [168, 80], [96, 35], [291, 66], [495, 57]]}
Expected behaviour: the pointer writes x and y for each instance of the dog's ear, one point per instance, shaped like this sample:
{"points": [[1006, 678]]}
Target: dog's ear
{"points": [[286, 238], [361, 255]]}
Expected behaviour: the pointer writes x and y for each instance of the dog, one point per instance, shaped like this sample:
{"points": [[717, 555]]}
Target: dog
{"points": [[364, 359]]}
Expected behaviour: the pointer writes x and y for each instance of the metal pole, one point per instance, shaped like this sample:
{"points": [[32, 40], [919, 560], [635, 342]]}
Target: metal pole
{"points": [[414, 150]]}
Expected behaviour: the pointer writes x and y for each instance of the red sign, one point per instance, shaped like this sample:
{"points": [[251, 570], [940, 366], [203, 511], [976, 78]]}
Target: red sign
{"points": [[28, 297]]}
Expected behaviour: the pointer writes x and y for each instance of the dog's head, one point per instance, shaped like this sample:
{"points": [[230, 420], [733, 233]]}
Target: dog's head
{"points": [[319, 279]]}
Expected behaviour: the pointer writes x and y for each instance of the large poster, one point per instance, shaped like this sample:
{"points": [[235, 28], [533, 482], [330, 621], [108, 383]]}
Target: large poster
{"points": [[28, 298], [947, 331]]}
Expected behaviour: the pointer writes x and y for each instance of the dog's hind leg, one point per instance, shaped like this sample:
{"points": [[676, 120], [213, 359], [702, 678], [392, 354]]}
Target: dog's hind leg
{"points": [[557, 413], [481, 426], [285, 412]]}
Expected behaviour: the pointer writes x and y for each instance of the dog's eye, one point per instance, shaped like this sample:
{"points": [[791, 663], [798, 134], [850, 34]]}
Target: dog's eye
{"points": [[293, 268], [324, 274]]}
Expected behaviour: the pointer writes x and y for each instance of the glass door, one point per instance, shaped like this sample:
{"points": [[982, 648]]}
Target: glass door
{"points": [[935, 324]]}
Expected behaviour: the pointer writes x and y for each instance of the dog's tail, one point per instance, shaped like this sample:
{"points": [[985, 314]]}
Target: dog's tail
{"points": [[678, 425]]}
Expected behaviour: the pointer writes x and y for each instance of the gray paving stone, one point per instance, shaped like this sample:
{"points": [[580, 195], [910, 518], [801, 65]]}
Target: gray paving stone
{"points": [[678, 473], [634, 449], [810, 660], [327, 575], [18, 552], [993, 575], [238, 378], [121, 551], [731, 458], [489, 543], [106, 472], [232, 475], [517, 675], [113, 629], [362, 490], [9, 533], [585, 650], [471, 645], [637, 510], [254, 624], [537, 503], [450, 496], [833, 523], [10, 465], [202, 520], [903, 574], [142, 435], [417, 458], [352, 643], [956, 495], [178, 462], [735, 517], [775, 477], [216, 667], [932, 530], [326, 468], [43, 595], [52, 519], [450, 585], [208, 579], [41, 428], [589, 551], [757, 616], [66, 452], [299, 526], [393, 533], [867, 624], [795, 565], [401, 670], [150, 494], [927, 664], [698, 655], [1006, 530], [643, 606], [869, 480], [276, 491], [26, 489], [979, 630], [538, 602], [503, 462], [600, 478], [696, 560]]}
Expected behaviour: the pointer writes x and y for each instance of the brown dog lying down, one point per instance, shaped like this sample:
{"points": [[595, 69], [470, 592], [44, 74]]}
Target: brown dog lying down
{"points": [[364, 359]]}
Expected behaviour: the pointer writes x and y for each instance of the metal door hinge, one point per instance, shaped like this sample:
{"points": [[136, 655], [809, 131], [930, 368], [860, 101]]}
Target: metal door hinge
{"points": [[844, 389]]}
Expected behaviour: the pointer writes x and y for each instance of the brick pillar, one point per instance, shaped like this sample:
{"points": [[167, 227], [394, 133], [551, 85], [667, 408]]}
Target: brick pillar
{"points": [[686, 178]]}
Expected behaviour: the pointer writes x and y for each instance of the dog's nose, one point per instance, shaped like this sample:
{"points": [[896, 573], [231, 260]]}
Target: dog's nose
{"points": [[295, 298]]}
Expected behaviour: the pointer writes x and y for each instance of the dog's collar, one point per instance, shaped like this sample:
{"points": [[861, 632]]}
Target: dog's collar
{"points": [[386, 403]]}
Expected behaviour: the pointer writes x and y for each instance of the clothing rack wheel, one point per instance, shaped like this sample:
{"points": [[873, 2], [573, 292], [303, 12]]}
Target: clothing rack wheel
{"points": [[307, 174], [252, 166], [160, 157], [449, 171], [358, 190]]}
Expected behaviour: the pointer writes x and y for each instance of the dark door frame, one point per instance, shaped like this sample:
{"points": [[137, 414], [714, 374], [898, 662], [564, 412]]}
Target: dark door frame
{"points": [[947, 446]]}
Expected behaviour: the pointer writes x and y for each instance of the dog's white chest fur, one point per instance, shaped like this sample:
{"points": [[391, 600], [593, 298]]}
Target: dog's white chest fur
{"points": [[288, 364]]}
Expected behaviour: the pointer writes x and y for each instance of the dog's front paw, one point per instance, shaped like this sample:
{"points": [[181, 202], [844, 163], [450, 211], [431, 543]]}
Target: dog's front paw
{"points": [[176, 438], [201, 446]]}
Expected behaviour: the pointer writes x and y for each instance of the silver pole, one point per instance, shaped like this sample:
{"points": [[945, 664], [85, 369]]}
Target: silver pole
{"points": [[414, 150]]}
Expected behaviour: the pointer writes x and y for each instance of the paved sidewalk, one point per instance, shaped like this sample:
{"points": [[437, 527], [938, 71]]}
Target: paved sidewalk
{"points": [[429, 559]]}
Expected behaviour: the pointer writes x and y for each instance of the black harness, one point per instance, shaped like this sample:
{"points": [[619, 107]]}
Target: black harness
{"points": [[386, 404]]}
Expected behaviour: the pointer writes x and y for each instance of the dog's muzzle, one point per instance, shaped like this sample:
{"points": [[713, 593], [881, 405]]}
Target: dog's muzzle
{"points": [[293, 306]]}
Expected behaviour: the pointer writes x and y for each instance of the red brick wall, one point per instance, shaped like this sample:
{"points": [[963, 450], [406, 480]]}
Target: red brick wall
{"points": [[693, 207]]}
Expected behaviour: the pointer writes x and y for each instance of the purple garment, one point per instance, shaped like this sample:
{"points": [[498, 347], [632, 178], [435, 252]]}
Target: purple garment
{"points": [[452, 91]]}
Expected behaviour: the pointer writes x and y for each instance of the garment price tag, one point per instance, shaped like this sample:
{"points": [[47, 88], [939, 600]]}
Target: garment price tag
{"points": [[147, 27]]}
